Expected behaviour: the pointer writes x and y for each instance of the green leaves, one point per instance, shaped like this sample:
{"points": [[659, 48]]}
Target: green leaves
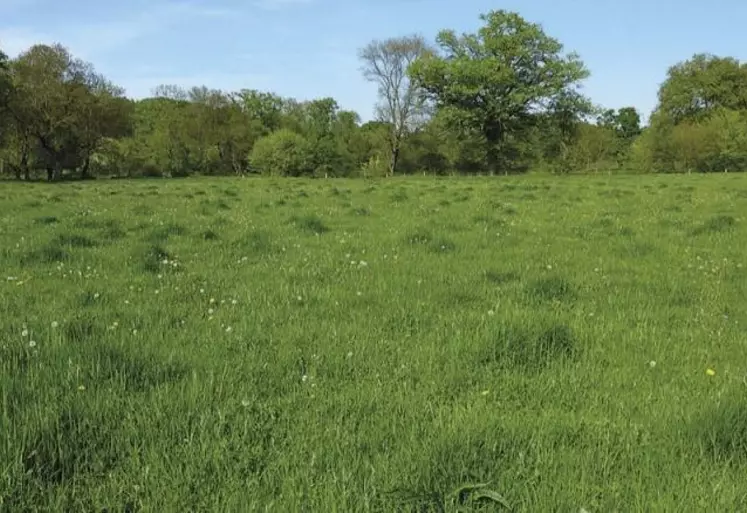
{"points": [[694, 89], [282, 153], [492, 81]]}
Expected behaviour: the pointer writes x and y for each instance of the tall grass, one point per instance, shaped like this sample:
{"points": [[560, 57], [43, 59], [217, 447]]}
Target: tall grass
{"points": [[526, 344]]}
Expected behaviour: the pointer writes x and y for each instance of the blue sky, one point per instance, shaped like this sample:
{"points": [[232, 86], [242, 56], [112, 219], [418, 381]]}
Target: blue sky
{"points": [[308, 48]]}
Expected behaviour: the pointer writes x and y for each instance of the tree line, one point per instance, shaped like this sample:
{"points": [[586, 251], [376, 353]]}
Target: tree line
{"points": [[505, 99]]}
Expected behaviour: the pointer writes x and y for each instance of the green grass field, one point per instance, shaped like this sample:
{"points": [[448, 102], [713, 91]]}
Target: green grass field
{"points": [[298, 345]]}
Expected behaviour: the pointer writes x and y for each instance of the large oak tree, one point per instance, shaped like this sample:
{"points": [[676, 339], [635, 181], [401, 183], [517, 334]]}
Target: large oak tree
{"points": [[494, 81]]}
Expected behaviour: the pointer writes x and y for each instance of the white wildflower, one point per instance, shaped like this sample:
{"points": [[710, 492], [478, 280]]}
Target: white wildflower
{"points": [[25, 333], [32, 344]]}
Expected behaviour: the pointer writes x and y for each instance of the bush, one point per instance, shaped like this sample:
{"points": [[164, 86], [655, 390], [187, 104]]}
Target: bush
{"points": [[282, 153]]}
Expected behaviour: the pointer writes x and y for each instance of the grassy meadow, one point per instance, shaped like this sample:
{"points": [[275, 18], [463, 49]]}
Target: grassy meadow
{"points": [[298, 345]]}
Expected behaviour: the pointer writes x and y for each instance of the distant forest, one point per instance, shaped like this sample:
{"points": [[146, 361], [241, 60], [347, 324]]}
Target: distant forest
{"points": [[505, 99]]}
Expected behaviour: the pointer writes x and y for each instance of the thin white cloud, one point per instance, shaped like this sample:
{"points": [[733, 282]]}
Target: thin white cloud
{"points": [[91, 40]]}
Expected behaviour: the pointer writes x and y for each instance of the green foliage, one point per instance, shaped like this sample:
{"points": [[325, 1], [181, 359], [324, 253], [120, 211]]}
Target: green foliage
{"points": [[504, 99], [491, 81], [282, 153], [695, 88]]}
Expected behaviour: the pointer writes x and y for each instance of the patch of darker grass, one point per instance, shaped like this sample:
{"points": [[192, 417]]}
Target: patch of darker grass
{"points": [[721, 429], [152, 258], [210, 235], [424, 238], [76, 444], [361, 211], [716, 224], [446, 467], [112, 230], [551, 289], [89, 299], [83, 328], [164, 233], [442, 245], [46, 220], [47, 254], [125, 370], [257, 243], [529, 348], [501, 277], [222, 205], [74, 240], [636, 249], [399, 196], [142, 210], [419, 237], [311, 224]]}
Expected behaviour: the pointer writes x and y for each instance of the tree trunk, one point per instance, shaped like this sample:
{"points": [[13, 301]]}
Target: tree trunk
{"points": [[50, 174], [395, 159], [84, 172]]}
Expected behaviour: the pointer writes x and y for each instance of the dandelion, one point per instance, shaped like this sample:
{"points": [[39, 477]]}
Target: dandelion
{"points": [[81, 387], [246, 403], [363, 263], [491, 313], [549, 268], [350, 354], [234, 302], [710, 372], [652, 364], [32, 344], [300, 298], [485, 392], [25, 333], [229, 329], [202, 291], [55, 325], [211, 311], [96, 295], [304, 378], [212, 300], [360, 293]]}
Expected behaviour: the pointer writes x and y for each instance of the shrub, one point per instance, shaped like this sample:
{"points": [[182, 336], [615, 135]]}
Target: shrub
{"points": [[282, 153]]}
